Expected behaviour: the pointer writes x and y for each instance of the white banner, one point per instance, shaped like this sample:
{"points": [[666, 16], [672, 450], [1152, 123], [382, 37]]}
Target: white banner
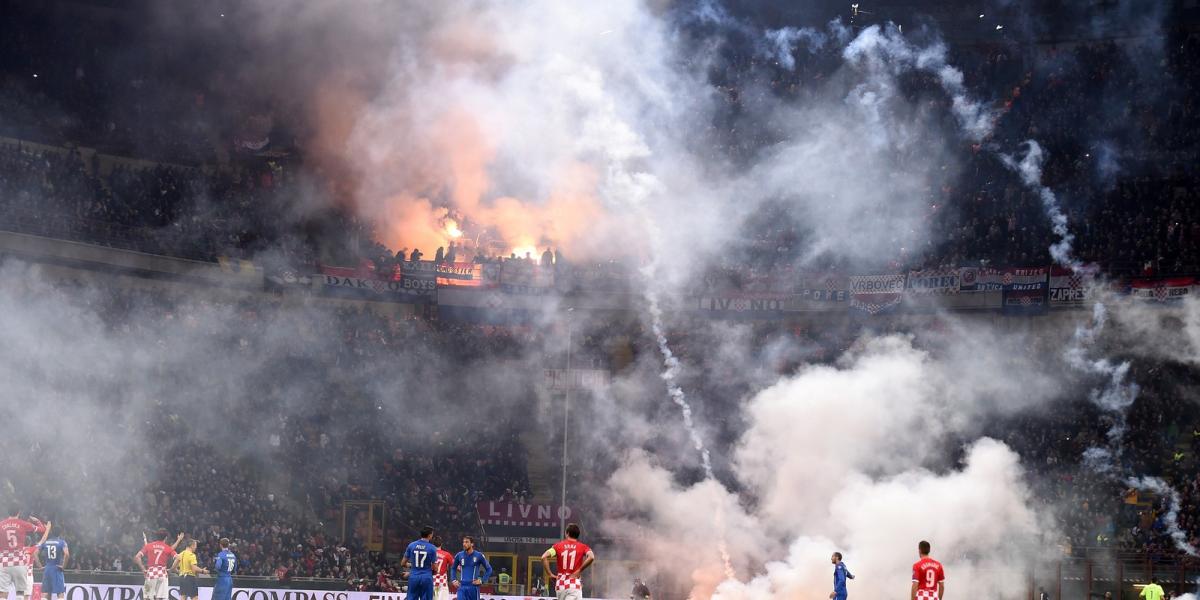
{"points": [[100, 591], [934, 281]]}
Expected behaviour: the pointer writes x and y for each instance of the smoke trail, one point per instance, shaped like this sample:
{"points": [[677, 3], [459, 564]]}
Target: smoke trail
{"points": [[1161, 488], [671, 368], [1029, 167], [1118, 393], [884, 49]]}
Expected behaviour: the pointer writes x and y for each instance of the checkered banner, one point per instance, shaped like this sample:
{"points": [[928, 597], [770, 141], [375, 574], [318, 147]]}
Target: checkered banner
{"points": [[1170, 290], [1067, 287]]}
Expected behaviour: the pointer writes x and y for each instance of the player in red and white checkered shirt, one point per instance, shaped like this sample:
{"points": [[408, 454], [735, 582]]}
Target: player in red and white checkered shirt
{"points": [[14, 567], [158, 560], [571, 556], [928, 577], [441, 568]]}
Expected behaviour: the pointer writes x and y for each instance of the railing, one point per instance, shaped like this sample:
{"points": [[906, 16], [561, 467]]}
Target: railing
{"points": [[1121, 574], [61, 225]]}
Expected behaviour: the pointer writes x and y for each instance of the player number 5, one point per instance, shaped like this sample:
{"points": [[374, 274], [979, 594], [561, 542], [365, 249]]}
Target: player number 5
{"points": [[11, 536]]}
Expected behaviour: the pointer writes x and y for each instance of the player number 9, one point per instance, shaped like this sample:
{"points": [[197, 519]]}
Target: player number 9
{"points": [[929, 578]]}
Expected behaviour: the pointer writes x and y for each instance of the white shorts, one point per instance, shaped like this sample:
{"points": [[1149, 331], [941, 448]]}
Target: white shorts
{"points": [[570, 594], [15, 577], [158, 588], [441, 592]]}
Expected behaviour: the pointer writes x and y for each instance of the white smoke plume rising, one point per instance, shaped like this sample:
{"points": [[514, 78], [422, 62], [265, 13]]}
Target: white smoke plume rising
{"points": [[835, 460]]}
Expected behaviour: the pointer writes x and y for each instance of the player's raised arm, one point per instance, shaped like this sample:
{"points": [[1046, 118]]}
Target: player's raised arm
{"points": [[37, 524], [178, 538], [45, 534]]}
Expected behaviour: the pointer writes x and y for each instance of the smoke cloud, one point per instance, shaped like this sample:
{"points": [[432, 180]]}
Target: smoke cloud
{"points": [[600, 128]]}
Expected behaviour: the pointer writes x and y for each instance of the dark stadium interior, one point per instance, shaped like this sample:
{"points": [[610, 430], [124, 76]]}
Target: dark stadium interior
{"points": [[178, 132]]}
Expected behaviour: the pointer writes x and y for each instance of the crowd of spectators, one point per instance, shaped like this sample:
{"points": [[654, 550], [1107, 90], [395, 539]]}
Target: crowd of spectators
{"points": [[314, 429], [1099, 509], [1126, 185], [1117, 120]]}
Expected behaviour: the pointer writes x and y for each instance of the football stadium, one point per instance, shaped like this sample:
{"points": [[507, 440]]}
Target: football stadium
{"points": [[670, 299]]}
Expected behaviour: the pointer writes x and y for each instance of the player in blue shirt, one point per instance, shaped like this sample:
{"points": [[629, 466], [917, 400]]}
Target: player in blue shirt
{"points": [[840, 575], [419, 557], [470, 569], [55, 555], [224, 566]]}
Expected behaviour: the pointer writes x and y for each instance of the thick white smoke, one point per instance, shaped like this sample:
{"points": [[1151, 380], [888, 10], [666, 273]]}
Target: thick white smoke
{"points": [[842, 458]]}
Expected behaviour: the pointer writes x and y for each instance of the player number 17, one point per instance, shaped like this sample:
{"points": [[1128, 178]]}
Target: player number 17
{"points": [[419, 558]]}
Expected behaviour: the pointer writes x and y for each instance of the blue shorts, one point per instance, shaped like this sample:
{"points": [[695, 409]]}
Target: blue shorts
{"points": [[53, 582], [468, 592], [223, 589], [420, 587], [841, 596]]}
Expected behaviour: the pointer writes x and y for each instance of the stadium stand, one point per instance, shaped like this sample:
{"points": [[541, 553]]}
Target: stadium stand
{"points": [[1140, 218]]}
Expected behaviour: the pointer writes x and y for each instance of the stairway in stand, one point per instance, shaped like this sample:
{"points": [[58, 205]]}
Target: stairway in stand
{"points": [[542, 460]]}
